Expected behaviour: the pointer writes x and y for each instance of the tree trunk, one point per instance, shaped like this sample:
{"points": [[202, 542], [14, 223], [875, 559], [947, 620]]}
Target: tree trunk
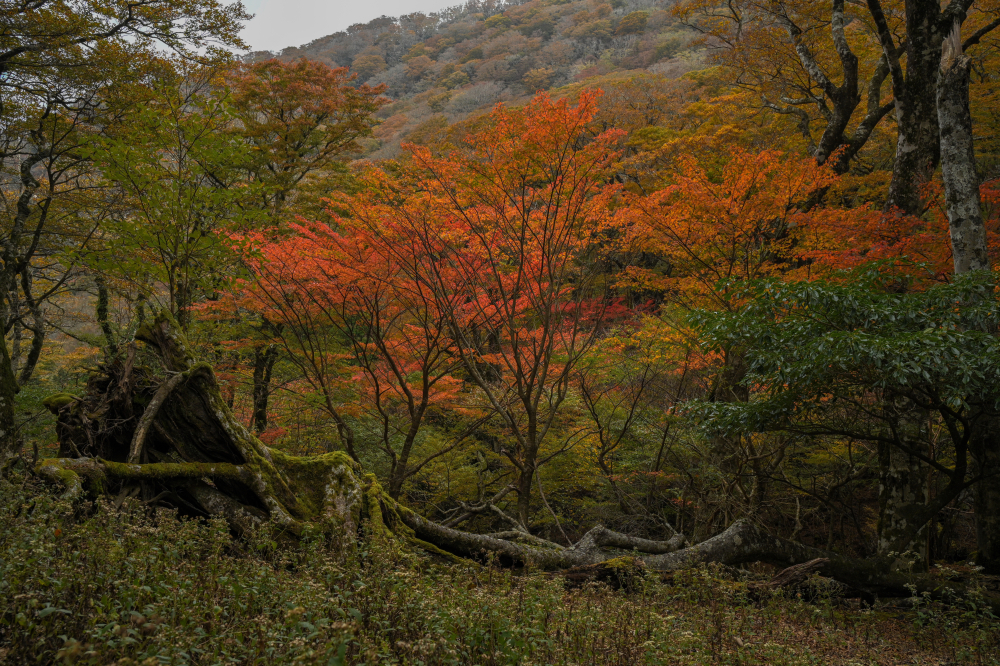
{"points": [[101, 312], [524, 480], [8, 390], [37, 328], [969, 252], [17, 331], [918, 146], [263, 364], [958, 160], [401, 464], [986, 493], [917, 142], [917, 153]]}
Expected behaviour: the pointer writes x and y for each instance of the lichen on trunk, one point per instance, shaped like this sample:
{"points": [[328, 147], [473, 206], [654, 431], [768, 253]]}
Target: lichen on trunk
{"points": [[903, 495], [958, 159]]}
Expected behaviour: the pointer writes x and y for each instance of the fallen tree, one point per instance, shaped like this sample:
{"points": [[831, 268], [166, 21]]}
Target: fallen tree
{"points": [[154, 424]]}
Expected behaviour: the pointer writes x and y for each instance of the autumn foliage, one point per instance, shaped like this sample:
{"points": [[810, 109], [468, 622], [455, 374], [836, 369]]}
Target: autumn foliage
{"points": [[300, 118], [741, 224], [489, 266], [722, 294], [485, 259]]}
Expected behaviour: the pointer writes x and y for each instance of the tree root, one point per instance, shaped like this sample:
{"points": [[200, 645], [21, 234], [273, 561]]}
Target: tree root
{"points": [[135, 450]]}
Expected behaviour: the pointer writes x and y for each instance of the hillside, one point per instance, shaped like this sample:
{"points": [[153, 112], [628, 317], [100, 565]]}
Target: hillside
{"points": [[442, 67]]}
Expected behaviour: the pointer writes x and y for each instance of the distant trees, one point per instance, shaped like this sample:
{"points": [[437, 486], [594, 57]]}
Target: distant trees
{"points": [[366, 66], [498, 45], [417, 67], [539, 79], [632, 23]]}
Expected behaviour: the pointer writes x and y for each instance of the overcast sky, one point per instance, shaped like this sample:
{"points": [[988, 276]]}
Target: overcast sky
{"points": [[280, 23]]}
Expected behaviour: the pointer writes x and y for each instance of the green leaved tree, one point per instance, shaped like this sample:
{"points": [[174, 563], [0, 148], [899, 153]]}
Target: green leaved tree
{"points": [[70, 72], [176, 167], [916, 375]]}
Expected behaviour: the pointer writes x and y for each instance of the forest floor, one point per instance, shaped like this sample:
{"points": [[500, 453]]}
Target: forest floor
{"points": [[100, 584]]}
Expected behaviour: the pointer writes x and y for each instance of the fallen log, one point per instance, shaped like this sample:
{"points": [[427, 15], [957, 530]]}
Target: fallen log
{"points": [[621, 573], [787, 579], [203, 461]]}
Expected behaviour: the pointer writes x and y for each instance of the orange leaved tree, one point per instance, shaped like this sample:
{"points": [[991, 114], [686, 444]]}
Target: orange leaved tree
{"points": [[302, 120], [738, 224], [506, 233], [369, 340], [922, 244]]}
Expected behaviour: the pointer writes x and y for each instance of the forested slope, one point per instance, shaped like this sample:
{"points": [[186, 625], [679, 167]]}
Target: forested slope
{"points": [[441, 67]]}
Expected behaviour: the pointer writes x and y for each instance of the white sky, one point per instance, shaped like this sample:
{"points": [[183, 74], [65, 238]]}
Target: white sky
{"points": [[280, 23]]}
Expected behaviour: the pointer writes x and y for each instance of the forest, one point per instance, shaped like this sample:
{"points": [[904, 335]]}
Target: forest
{"points": [[544, 332]]}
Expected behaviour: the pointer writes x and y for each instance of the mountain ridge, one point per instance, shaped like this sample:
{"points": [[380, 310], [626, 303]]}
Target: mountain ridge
{"points": [[443, 67]]}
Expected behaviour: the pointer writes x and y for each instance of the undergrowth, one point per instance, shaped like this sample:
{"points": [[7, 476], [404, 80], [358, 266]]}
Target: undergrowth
{"points": [[100, 584]]}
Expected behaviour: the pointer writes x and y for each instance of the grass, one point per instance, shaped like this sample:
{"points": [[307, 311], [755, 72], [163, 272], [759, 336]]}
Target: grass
{"points": [[99, 584]]}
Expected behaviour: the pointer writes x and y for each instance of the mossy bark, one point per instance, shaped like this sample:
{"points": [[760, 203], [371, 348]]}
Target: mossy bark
{"points": [[903, 520], [958, 160], [101, 313], [201, 458], [264, 359], [917, 141], [969, 252]]}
